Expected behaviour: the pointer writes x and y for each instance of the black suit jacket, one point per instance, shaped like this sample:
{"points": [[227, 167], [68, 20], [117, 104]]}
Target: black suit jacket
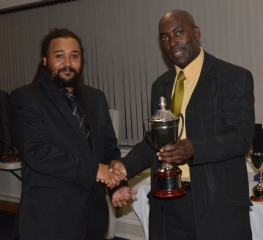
{"points": [[60, 196], [220, 125], [6, 145]]}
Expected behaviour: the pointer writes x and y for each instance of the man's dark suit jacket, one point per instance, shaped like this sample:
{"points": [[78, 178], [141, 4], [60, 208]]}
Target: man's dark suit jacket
{"points": [[220, 125], [60, 196], [6, 144]]}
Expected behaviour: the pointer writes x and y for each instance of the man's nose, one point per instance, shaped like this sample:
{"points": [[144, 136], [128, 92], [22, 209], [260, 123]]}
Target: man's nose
{"points": [[173, 41], [67, 61]]}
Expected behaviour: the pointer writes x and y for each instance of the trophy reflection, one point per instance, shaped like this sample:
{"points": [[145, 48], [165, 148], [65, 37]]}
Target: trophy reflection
{"points": [[256, 162], [164, 130]]}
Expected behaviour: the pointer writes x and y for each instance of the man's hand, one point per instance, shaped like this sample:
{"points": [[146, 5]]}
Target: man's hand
{"points": [[117, 167], [111, 179], [123, 196], [179, 153]]}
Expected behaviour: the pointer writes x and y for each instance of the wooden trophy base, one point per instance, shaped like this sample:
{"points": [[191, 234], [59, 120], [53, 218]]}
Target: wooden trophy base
{"points": [[168, 185], [169, 193], [256, 199], [257, 193]]}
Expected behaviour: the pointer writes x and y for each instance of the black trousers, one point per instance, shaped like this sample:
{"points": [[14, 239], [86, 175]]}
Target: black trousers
{"points": [[180, 220]]}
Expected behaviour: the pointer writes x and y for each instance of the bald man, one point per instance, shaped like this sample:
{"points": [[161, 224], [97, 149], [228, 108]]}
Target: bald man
{"points": [[218, 105]]}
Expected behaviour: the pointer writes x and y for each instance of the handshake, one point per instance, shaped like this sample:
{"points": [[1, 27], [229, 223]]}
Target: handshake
{"points": [[112, 174]]}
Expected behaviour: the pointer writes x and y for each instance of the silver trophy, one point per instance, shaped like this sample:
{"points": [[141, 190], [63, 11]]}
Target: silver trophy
{"points": [[256, 162], [164, 130]]}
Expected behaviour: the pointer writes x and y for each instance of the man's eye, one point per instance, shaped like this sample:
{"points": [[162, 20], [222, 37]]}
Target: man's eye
{"points": [[75, 56], [180, 33], [163, 39], [59, 56]]}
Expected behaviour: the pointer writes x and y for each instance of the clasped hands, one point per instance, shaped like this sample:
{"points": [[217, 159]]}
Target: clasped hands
{"points": [[112, 175]]}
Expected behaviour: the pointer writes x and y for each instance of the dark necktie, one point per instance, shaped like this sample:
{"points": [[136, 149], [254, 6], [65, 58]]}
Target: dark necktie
{"points": [[78, 113], [178, 95]]}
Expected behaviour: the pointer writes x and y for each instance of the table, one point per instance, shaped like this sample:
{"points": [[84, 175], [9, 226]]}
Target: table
{"points": [[12, 167], [141, 208]]}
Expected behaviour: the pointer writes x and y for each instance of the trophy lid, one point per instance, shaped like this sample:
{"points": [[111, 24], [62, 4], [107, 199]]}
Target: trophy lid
{"points": [[163, 115]]}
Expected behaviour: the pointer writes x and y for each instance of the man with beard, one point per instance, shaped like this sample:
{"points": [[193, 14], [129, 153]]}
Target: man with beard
{"points": [[218, 105], [65, 142]]}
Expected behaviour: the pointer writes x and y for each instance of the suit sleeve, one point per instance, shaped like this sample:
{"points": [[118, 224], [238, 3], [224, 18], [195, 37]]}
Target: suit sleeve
{"points": [[227, 122], [7, 145], [140, 157]]}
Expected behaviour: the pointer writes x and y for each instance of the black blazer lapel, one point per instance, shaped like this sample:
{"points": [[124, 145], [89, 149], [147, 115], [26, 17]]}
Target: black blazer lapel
{"points": [[91, 108], [208, 72]]}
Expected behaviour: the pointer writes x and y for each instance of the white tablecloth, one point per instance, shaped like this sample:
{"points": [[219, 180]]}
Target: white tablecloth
{"points": [[141, 208], [10, 165], [256, 212]]}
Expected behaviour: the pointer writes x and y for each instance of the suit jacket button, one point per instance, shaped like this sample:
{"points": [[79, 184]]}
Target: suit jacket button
{"points": [[162, 208]]}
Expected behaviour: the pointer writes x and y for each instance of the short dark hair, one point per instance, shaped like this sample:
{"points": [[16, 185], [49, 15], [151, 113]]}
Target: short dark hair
{"points": [[59, 33]]}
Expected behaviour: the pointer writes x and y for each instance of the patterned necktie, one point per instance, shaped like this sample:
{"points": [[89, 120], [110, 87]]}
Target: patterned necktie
{"points": [[178, 95], [78, 113]]}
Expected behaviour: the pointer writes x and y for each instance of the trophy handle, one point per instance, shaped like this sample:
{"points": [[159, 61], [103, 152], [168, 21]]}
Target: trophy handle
{"points": [[182, 127], [249, 159], [146, 135]]}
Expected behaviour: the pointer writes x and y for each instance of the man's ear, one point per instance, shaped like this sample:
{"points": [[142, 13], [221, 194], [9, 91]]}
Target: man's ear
{"points": [[197, 33], [44, 61]]}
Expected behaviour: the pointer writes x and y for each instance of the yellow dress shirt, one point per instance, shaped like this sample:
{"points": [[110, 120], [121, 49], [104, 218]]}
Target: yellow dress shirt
{"points": [[192, 73]]}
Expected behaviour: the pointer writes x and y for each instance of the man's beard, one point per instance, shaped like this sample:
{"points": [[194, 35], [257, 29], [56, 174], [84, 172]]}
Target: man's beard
{"points": [[62, 82]]}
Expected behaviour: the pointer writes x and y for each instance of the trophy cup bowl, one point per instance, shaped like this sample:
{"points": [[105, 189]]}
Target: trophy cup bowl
{"points": [[164, 130], [256, 162]]}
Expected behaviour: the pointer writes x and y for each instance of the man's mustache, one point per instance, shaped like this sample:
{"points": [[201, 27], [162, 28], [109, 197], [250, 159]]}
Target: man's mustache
{"points": [[67, 69]]}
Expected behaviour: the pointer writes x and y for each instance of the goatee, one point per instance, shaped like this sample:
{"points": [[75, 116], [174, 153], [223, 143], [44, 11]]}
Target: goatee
{"points": [[62, 82]]}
